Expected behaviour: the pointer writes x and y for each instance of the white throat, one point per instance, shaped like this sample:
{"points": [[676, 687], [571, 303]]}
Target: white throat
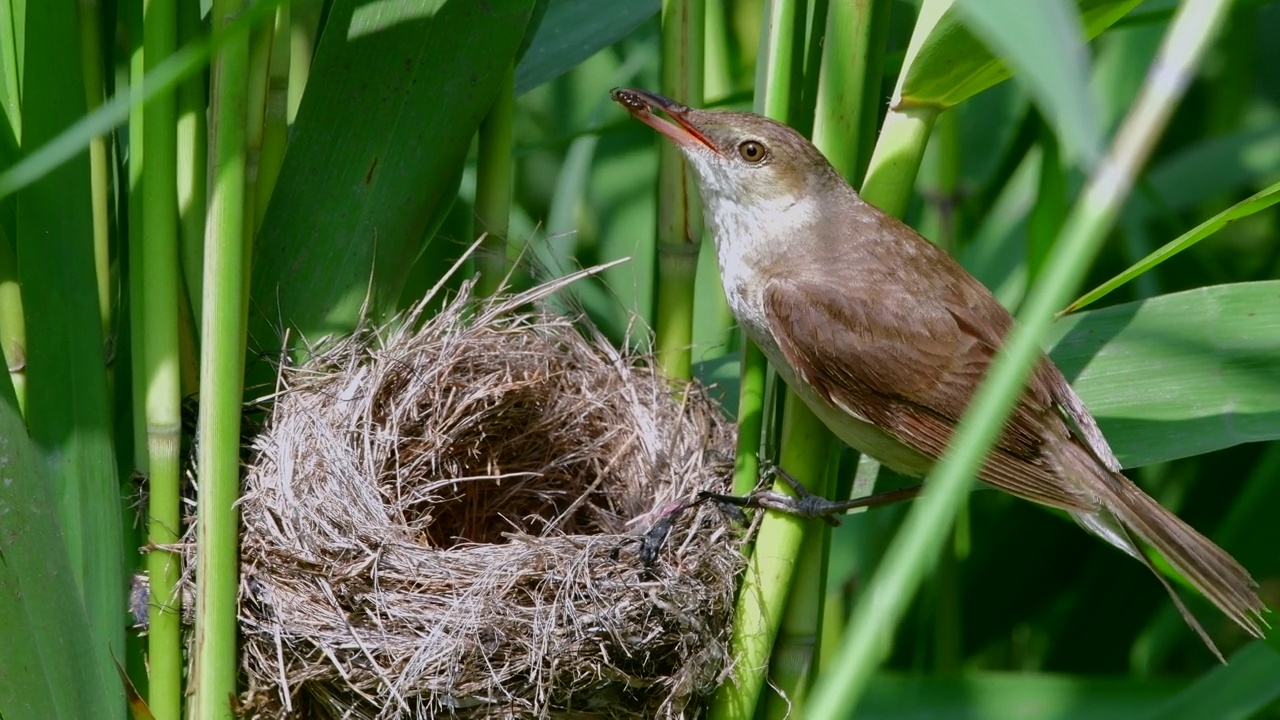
{"points": [[753, 238]]}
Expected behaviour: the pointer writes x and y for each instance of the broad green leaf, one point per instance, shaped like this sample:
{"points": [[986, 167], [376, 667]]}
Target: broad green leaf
{"points": [[1043, 42], [996, 696], [1180, 374], [1242, 209], [1240, 689], [574, 30], [953, 64], [393, 101], [52, 666], [1170, 377], [68, 414]]}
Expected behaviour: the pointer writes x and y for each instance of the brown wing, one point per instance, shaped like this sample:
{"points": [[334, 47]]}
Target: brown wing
{"points": [[866, 354]]}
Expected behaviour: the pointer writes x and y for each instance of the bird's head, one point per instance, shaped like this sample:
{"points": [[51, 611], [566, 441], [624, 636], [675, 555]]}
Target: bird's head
{"points": [[738, 157]]}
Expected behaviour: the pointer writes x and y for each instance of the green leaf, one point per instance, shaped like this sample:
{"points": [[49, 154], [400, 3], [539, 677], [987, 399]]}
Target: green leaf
{"points": [[995, 696], [393, 101], [574, 30], [1240, 689], [1170, 377], [1242, 209], [1180, 374], [53, 668], [954, 65], [68, 414], [1043, 43]]}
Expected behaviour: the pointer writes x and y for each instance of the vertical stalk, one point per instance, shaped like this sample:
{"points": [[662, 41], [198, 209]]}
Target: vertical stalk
{"points": [[193, 161], [160, 293], [719, 83], [222, 376], [847, 52], [778, 76], [807, 444], [304, 27], [13, 30], [495, 171], [718, 56], [679, 231], [928, 522], [275, 120], [751, 406], [136, 252], [940, 183], [260, 41], [891, 174], [851, 58], [772, 566], [896, 159], [90, 19], [13, 328]]}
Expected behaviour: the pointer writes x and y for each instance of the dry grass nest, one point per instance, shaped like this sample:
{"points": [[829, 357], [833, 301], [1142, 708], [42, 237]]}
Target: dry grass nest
{"points": [[441, 518]]}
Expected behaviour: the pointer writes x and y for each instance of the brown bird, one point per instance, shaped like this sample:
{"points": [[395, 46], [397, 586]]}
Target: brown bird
{"points": [[885, 337]]}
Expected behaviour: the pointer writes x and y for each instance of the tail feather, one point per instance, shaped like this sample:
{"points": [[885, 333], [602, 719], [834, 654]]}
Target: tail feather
{"points": [[1206, 566], [1130, 519]]}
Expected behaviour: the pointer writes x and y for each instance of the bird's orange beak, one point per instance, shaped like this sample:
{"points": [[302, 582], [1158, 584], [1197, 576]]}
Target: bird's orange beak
{"points": [[641, 104]]}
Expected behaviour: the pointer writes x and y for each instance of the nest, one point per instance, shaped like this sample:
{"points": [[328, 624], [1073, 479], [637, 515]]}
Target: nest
{"points": [[441, 518]]}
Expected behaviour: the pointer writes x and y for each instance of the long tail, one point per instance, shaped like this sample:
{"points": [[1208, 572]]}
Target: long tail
{"points": [[1206, 566]]}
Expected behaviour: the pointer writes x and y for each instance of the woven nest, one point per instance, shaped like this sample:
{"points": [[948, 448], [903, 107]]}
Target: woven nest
{"points": [[441, 518]]}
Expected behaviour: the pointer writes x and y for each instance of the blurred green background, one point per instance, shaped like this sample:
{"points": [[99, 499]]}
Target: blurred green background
{"points": [[378, 139]]}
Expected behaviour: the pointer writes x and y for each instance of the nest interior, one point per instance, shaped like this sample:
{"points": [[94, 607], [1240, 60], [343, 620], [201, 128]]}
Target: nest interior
{"points": [[442, 518]]}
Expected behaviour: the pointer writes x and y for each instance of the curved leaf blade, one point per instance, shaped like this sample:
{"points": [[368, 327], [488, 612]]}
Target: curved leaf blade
{"points": [[574, 30], [379, 143], [1167, 378], [53, 666], [1249, 206], [1043, 42], [1240, 689], [1180, 374], [954, 65]]}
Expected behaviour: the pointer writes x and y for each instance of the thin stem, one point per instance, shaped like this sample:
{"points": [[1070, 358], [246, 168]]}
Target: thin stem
{"points": [[13, 328], [222, 377], [275, 120], [260, 41], [891, 174], [679, 230], [90, 17], [719, 83], [771, 568], [808, 445], [751, 405], [12, 44], [940, 184], [160, 288], [849, 53], [193, 161], [495, 172]]}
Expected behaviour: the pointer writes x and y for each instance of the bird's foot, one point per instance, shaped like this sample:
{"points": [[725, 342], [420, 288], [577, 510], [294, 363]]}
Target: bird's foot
{"points": [[805, 504]]}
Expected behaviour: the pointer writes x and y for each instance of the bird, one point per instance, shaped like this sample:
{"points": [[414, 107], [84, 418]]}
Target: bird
{"points": [[885, 337]]}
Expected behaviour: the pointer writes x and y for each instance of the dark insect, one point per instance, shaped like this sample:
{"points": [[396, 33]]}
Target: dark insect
{"points": [[631, 100]]}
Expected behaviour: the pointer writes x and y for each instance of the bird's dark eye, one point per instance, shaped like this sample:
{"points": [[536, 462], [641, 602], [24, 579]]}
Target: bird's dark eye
{"points": [[752, 151]]}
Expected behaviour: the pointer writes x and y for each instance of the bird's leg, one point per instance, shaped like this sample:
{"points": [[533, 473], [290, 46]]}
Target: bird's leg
{"points": [[807, 505]]}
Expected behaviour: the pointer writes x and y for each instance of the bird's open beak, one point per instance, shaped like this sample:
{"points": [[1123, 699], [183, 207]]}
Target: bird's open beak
{"points": [[641, 104]]}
